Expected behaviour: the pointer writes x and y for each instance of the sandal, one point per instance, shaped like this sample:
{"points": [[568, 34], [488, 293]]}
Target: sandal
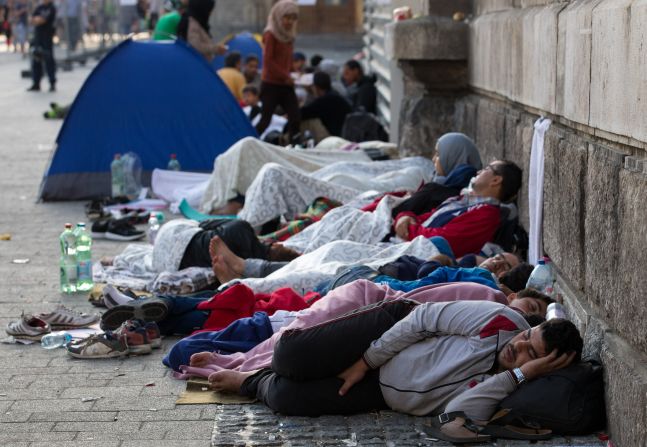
{"points": [[437, 423], [497, 430]]}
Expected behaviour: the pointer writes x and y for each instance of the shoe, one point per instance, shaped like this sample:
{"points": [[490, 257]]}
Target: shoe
{"points": [[135, 336], [99, 346], [100, 228], [52, 88], [121, 230], [146, 309], [110, 302], [154, 334], [28, 328], [34, 88], [65, 318]]}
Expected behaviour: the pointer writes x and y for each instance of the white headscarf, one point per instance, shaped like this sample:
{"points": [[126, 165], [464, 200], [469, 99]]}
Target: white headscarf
{"points": [[280, 9]]}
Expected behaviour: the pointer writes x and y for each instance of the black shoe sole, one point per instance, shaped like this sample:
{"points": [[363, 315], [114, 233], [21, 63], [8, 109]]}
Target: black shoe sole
{"points": [[151, 311]]}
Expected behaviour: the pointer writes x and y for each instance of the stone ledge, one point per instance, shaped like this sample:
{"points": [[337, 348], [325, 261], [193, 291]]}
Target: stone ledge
{"points": [[427, 38]]}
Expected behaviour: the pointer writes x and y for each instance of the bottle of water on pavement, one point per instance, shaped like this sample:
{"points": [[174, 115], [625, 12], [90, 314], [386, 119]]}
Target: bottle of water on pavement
{"points": [[541, 278], [117, 176], [68, 270], [173, 164], [55, 340], [153, 228], [83, 258], [555, 310]]}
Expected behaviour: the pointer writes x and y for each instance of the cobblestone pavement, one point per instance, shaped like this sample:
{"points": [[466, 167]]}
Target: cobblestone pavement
{"points": [[49, 399]]}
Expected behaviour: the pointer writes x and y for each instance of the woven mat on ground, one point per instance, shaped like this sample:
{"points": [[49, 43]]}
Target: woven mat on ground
{"points": [[198, 392]]}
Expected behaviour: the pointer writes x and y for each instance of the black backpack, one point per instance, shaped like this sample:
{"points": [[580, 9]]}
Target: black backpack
{"points": [[569, 401]]}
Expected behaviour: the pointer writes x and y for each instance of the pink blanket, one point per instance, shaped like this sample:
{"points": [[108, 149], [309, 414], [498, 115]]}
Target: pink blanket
{"points": [[338, 302]]}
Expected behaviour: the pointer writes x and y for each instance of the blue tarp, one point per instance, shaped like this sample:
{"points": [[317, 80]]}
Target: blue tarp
{"points": [[151, 98], [246, 44]]}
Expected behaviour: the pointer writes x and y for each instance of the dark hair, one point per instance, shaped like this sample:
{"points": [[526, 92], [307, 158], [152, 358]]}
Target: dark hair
{"points": [[534, 319], [354, 65], [517, 277], [298, 56], [251, 57], [512, 176], [232, 59], [315, 60], [532, 293], [250, 89], [322, 80], [562, 335]]}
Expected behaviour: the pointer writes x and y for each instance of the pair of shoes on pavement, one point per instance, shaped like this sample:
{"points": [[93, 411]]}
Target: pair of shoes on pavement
{"points": [[33, 327], [116, 230], [36, 88], [133, 337], [149, 309]]}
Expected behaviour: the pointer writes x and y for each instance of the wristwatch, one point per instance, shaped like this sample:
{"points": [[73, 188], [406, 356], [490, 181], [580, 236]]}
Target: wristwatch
{"points": [[518, 375]]}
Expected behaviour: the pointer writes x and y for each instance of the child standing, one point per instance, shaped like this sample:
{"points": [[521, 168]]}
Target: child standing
{"points": [[277, 86]]}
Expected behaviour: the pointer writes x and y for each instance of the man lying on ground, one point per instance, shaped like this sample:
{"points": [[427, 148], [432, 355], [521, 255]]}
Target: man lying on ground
{"points": [[440, 357]]}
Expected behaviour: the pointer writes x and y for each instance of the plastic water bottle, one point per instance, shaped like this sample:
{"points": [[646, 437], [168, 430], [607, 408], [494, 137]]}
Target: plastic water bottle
{"points": [[173, 164], [67, 264], [55, 340], [117, 176], [153, 228], [541, 278], [83, 258], [555, 310]]}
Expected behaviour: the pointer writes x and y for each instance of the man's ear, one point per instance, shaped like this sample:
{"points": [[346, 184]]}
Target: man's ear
{"points": [[512, 297]]}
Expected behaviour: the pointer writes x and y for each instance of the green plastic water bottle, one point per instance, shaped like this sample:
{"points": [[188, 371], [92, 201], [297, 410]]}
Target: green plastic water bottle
{"points": [[68, 269], [173, 164], [117, 176], [83, 258]]}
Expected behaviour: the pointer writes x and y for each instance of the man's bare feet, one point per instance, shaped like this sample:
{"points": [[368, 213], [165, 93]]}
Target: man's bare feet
{"points": [[232, 207], [226, 265], [228, 380]]}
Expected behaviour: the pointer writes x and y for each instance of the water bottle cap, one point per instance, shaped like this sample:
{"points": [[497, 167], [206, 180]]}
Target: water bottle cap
{"points": [[173, 156], [68, 226], [160, 216], [81, 224], [541, 262]]}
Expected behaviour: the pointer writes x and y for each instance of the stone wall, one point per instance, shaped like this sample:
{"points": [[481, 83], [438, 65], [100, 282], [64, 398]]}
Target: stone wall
{"points": [[581, 63]]}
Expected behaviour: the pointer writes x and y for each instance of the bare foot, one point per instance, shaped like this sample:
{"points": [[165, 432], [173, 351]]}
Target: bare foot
{"points": [[228, 380], [217, 247], [232, 207], [223, 272]]}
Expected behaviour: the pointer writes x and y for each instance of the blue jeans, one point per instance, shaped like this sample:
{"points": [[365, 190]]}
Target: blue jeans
{"points": [[183, 316]]}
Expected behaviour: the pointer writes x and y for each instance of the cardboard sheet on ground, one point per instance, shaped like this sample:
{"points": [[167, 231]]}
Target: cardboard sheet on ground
{"points": [[198, 392]]}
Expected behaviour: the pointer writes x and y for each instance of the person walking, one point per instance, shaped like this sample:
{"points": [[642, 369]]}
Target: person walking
{"points": [[277, 86], [43, 20], [194, 29]]}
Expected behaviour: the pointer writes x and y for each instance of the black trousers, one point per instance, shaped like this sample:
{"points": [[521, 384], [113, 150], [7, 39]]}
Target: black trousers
{"points": [[273, 95], [305, 364], [46, 58], [237, 234]]}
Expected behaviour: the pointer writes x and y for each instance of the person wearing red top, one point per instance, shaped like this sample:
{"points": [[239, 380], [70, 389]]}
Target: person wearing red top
{"points": [[468, 221], [277, 86]]}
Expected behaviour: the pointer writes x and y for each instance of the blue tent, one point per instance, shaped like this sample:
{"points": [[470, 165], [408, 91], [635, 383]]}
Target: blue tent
{"points": [[151, 98], [245, 43]]}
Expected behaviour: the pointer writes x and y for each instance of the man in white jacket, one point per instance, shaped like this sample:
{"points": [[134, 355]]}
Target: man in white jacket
{"points": [[438, 357]]}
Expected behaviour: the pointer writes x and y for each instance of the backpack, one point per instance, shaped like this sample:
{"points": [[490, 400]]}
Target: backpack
{"points": [[569, 401], [363, 126]]}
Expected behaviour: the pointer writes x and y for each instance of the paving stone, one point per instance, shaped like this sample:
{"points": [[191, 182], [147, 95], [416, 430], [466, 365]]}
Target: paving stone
{"points": [[112, 392], [118, 436], [113, 427], [180, 429], [166, 443], [8, 435], [142, 403], [179, 413], [26, 426], [15, 416], [51, 405], [73, 416], [76, 444]]}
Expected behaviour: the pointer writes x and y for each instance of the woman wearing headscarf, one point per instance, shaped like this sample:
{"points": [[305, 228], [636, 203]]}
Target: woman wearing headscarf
{"points": [[194, 28], [457, 160], [277, 87]]}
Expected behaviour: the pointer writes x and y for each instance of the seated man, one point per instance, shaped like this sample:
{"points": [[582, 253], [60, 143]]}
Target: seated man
{"points": [[327, 106], [440, 357], [362, 93], [232, 76]]}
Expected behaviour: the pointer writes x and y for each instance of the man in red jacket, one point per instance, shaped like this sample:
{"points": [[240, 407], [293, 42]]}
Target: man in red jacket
{"points": [[468, 221]]}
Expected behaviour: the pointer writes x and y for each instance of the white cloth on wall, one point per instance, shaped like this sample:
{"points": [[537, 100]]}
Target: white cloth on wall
{"points": [[536, 191]]}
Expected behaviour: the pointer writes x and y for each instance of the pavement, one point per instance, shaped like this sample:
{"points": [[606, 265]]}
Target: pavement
{"points": [[49, 399]]}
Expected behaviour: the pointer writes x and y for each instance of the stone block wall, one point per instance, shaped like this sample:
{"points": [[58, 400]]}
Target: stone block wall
{"points": [[583, 64]]}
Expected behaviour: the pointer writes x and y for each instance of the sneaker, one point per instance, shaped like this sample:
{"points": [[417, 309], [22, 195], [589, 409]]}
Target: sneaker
{"points": [[34, 88], [154, 334], [28, 328], [99, 346], [135, 336], [110, 302], [100, 228], [52, 87], [66, 318], [146, 309], [121, 230]]}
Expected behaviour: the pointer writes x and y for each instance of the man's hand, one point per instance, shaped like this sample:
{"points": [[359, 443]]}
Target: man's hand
{"points": [[201, 359], [352, 375], [221, 49], [544, 365], [402, 227], [37, 20]]}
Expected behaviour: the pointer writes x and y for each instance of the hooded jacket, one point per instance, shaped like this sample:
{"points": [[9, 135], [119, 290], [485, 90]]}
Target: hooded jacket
{"points": [[441, 350]]}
